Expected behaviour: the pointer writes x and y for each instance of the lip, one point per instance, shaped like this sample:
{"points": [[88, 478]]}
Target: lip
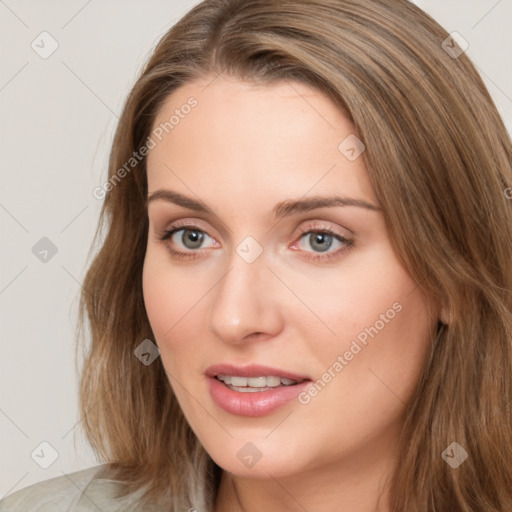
{"points": [[252, 370], [256, 403]]}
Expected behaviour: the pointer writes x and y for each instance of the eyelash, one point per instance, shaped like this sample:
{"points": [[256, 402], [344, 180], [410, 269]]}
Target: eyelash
{"points": [[348, 244]]}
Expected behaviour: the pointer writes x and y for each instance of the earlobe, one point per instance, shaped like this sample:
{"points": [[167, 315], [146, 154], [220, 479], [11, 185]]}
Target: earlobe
{"points": [[445, 316]]}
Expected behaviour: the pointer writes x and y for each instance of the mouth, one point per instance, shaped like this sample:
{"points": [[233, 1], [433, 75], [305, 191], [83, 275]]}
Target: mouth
{"points": [[253, 390], [254, 376], [256, 384]]}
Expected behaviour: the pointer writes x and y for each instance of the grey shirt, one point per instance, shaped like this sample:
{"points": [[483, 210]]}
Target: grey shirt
{"points": [[82, 491]]}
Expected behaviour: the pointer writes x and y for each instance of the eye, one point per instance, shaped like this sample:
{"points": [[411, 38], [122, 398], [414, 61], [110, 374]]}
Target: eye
{"points": [[189, 237], [321, 240]]}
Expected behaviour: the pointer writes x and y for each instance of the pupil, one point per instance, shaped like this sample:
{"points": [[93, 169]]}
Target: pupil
{"points": [[319, 238], [193, 236]]}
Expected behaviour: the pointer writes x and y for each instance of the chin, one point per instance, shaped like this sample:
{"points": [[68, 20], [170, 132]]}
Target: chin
{"points": [[259, 458]]}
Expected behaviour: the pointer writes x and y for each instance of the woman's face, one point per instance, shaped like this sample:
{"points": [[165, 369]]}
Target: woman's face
{"points": [[276, 273]]}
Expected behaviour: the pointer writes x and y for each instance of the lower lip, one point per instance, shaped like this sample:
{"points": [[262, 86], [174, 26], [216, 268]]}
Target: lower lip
{"points": [[253, 403]]}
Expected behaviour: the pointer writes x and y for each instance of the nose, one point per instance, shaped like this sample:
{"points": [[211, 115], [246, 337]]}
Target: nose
{"points": [[245, 303]]}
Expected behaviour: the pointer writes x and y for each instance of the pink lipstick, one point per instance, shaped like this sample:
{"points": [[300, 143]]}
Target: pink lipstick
{"points": [[253, 390]]}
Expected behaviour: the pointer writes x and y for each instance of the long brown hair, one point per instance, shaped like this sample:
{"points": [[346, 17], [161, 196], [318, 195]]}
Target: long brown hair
{"points": [[439, 158]]}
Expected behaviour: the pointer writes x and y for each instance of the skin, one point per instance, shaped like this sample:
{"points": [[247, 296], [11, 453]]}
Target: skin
{"points": [[243, 149]]}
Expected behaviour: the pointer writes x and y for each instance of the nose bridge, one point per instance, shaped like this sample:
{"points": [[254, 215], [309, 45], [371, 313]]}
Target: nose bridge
{"points": [[244, 302]]}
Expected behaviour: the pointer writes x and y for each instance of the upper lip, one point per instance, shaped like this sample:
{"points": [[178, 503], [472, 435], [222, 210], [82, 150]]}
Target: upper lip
{"points": [[252, 370]]}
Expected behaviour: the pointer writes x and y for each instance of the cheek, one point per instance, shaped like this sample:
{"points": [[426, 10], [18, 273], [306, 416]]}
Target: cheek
{"points": [[172, 303], [165, 291], [368, 288], [369, 367], [158, 299], [373, 316]]}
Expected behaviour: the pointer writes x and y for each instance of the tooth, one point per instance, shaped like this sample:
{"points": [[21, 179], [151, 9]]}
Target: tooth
{"points": [[239, 381], [247, 390], [257, 382], [273, 382]]}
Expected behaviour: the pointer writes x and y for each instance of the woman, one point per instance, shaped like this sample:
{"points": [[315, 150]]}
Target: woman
{"points": [[302, 301]]}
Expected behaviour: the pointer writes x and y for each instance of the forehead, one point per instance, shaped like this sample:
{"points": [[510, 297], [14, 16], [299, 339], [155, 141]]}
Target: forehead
{"points": [[257, 142]]}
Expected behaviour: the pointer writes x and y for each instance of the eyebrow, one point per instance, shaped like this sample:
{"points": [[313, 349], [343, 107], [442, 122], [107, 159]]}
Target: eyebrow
{"points": [[280, 210]]}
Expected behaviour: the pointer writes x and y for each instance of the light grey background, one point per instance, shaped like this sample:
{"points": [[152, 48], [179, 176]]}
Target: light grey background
{"points": [[57, 117]]}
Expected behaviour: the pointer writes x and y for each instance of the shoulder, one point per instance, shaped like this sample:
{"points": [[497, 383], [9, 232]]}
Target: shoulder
{"points": [[82, 491]]}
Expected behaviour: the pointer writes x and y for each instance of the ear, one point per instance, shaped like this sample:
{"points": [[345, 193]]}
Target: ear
{"points": [[445, 315]]}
